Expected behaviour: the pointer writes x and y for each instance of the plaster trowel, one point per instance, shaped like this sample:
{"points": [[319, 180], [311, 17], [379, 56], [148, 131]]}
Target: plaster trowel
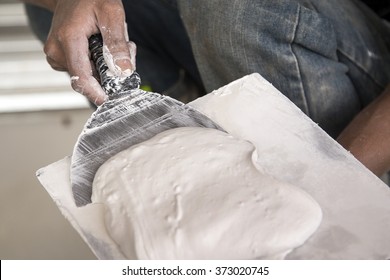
{"points": [[129, 116]]}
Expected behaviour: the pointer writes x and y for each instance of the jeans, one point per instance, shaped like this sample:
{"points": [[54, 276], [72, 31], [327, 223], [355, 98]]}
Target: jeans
{"points": [[331, 58]]}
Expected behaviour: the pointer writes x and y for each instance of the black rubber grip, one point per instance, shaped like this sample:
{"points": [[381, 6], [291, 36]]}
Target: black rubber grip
{"points": [[114, 86]]}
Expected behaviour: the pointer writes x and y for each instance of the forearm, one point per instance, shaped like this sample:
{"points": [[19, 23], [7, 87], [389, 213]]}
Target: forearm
{"points": [[367, 137], [48, 4]]}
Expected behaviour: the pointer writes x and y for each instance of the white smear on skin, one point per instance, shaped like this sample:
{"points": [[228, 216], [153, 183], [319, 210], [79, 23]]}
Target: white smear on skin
{"points": [[74, 78], [114, 69], [110, 60]]}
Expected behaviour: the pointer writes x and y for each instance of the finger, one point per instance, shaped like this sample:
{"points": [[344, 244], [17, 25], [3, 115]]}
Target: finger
{"points": [[133, 51], [90, 88], [55, 55], [56, 66], [80, 69], [115, 50]]}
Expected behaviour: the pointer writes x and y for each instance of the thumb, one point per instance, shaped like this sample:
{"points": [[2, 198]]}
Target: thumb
{"points": [[116, 52], [133, 51]]}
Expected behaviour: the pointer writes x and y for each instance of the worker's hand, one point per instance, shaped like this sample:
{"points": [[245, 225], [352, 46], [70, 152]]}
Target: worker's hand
{"points": [[66, 48]]}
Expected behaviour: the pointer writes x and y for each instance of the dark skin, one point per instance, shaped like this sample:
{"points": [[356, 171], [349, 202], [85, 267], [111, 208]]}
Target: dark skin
{"points": [[367, 137]]}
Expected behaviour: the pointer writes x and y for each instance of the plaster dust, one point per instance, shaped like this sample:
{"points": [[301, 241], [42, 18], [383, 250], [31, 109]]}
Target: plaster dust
{"points": [[198, 193], [114, 69], [74, 78]]}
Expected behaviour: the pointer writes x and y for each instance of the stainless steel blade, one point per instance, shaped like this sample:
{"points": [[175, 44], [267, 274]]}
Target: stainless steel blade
{"points": [[130, 116], [121, 123]]}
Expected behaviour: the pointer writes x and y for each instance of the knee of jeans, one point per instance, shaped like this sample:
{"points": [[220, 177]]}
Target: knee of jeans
{"points": [[240, 38], [208, 21], [39, 20]]}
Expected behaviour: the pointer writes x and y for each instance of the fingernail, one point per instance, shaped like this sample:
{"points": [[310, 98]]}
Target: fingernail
{"points": [[119, 63], [124, 66]]}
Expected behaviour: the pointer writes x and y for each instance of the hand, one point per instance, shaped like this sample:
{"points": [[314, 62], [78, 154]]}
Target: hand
{"points": [[74, 21], [367, 136]]}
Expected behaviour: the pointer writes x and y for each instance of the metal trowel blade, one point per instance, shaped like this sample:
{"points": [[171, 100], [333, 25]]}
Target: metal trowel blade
{"points": [[121, 123]]}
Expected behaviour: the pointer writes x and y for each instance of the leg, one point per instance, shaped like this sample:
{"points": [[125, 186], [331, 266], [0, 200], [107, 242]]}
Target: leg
{"points": [[296, 45]]}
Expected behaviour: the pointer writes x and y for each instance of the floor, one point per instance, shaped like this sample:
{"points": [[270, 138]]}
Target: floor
{"points": [[40, 119]]}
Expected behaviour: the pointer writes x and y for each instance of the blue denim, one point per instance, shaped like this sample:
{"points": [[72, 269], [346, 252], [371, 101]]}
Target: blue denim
{"points": [[330, 57]]}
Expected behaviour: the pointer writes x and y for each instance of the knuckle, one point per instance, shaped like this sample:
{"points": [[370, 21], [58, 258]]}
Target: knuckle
{"points": [[54, 57], [65, 33], [119, 47], [50, 48], [55, 65], [78, 84]]}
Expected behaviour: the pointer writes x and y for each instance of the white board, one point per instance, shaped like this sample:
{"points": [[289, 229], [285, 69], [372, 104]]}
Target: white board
{"points": [[355, 203]]}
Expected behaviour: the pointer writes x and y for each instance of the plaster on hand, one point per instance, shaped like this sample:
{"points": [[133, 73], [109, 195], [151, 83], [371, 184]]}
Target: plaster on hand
{"points": [[111, 60]]}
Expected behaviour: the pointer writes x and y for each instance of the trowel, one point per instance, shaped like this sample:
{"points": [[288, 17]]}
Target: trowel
{"points": [[129, 117]]}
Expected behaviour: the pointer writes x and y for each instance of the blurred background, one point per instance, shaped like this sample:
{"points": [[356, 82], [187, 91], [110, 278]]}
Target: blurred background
{"points": [[40, 120]]}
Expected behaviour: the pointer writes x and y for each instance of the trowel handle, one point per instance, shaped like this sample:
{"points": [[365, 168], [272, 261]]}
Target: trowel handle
{"points": [[114, 86]]}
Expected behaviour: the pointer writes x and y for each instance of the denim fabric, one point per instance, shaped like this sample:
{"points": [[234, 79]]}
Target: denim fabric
{"points": [[39, 20], [163, 47], [330, 57]]}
